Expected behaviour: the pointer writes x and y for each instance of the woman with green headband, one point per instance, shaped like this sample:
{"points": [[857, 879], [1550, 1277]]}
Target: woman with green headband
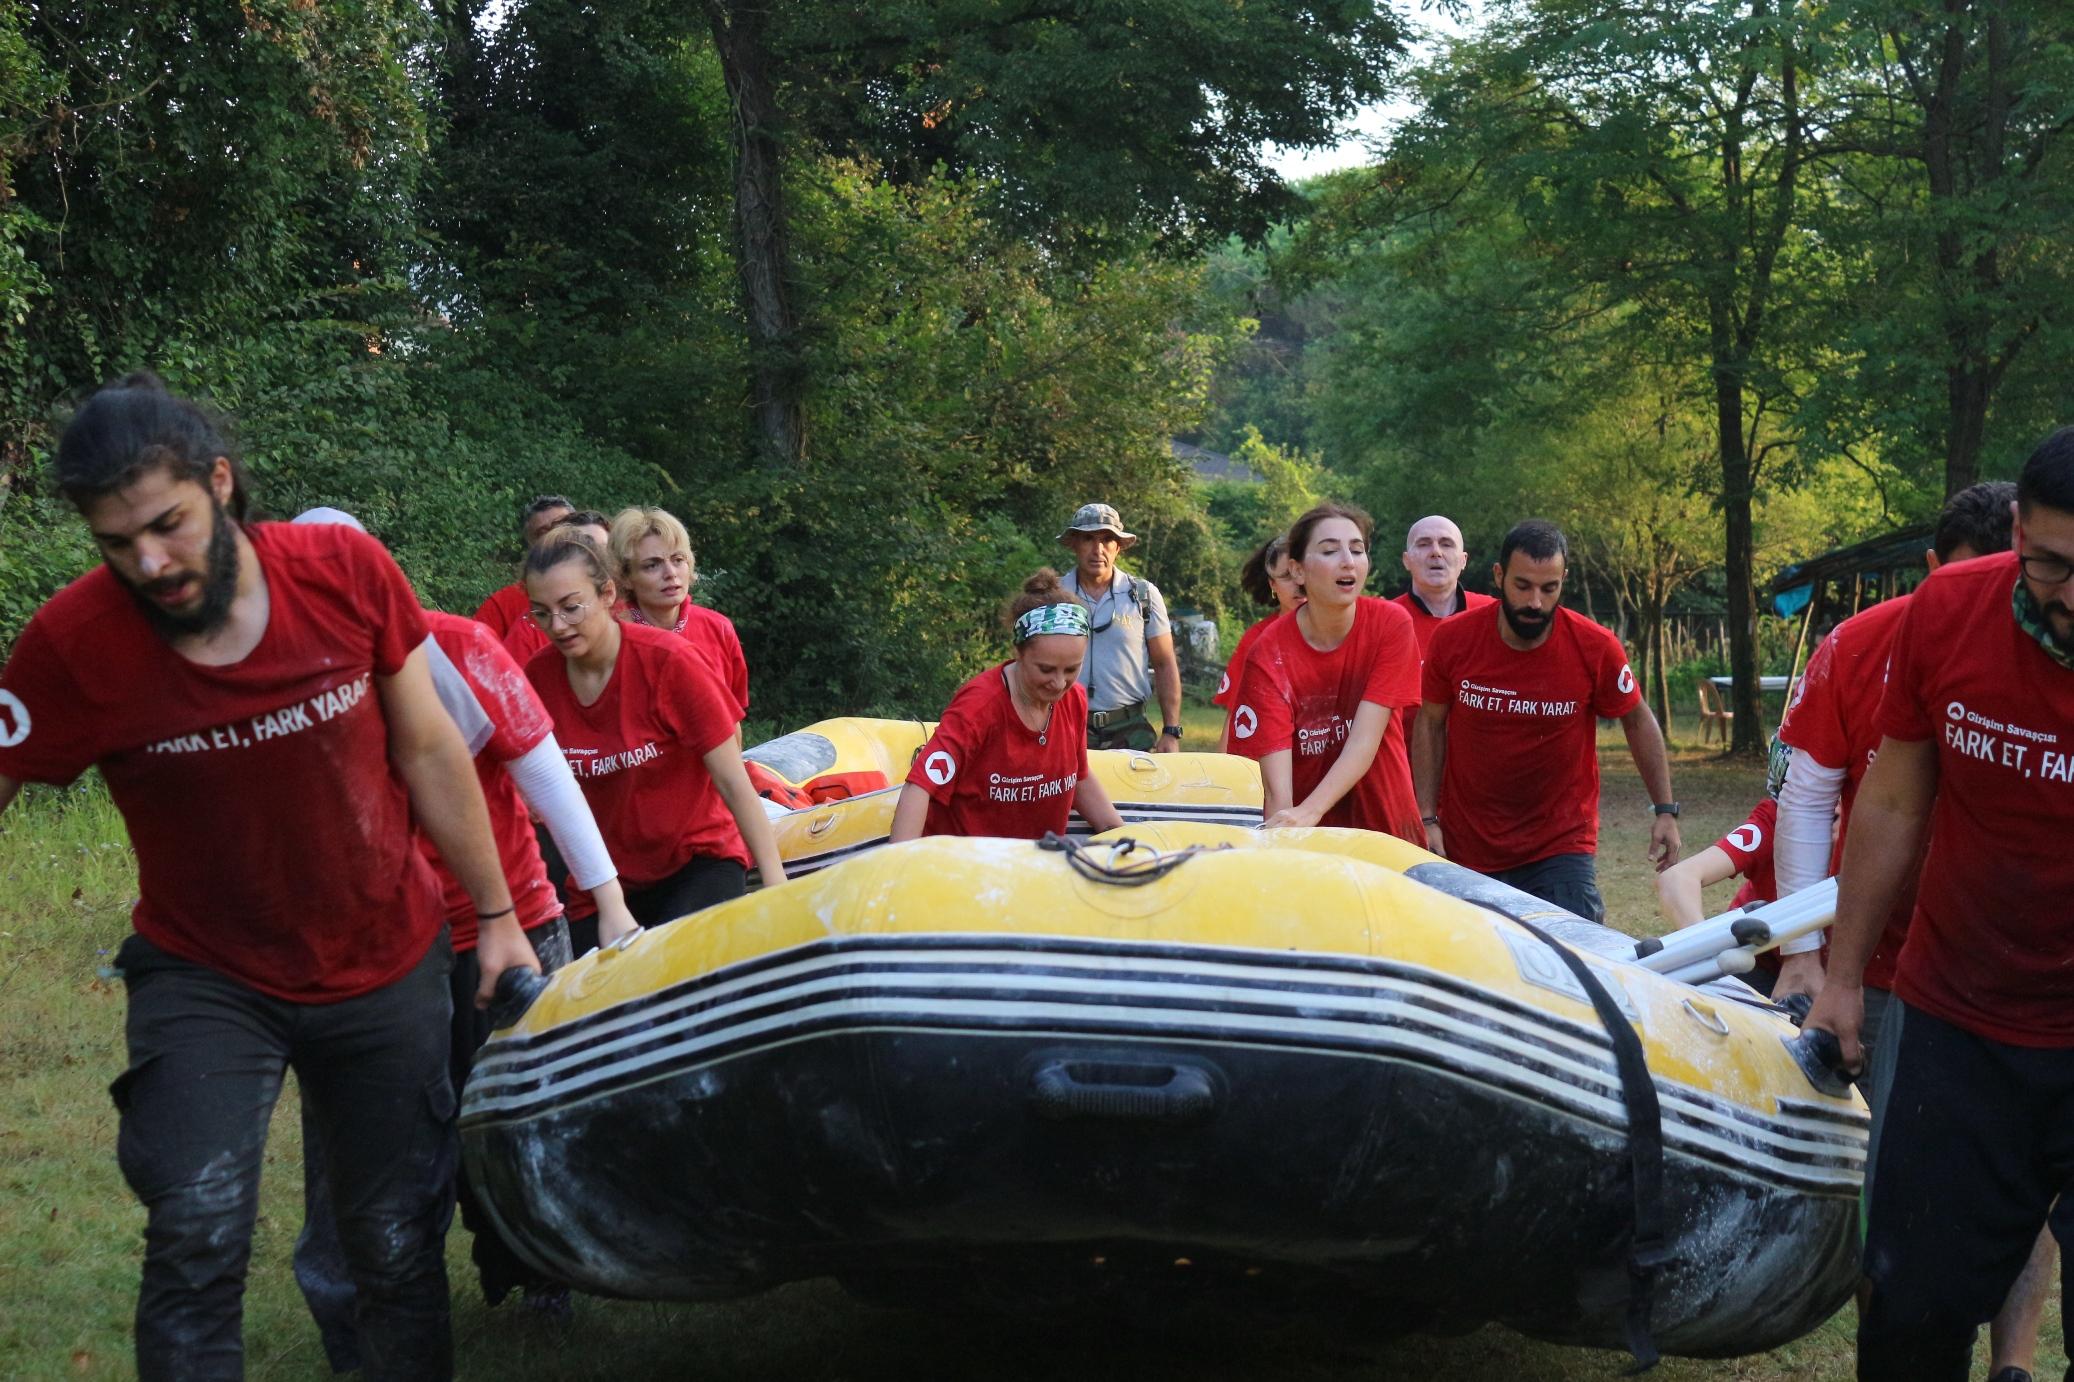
{"points": [[1010, 756]]}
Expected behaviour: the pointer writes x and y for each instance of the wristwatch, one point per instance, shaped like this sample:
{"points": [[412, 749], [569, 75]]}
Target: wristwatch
{"points": [[1172, 732], [1665, 808]]}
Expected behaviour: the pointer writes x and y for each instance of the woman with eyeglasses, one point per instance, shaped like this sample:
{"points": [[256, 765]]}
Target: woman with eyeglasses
{"points": [[524, 638], [653, 563], [1267, 578], [1323, 690], [650, 734], [1009, 757]]}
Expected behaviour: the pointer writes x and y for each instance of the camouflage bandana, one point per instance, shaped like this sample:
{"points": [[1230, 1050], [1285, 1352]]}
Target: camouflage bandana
{"points": [[2031, 619], [1067, 616]]}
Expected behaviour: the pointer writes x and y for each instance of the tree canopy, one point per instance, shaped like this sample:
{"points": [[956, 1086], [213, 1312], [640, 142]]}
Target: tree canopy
{"points": [[873, 293]]}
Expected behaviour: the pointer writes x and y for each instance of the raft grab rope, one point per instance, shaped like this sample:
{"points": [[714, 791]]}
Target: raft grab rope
{"points": [[1080, 856]]}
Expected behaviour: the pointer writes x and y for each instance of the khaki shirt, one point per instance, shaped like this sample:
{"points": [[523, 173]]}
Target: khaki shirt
{"points": [[1118, 671]]}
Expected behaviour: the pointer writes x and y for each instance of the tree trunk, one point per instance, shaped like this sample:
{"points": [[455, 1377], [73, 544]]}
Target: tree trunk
{"points": [[1735, 508], [1733, 338], [762, 244], [1969, 273], [1659, 639]]}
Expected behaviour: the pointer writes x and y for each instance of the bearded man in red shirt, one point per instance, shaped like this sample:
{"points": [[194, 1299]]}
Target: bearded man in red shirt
{"points": [[258, 700], [1977, 1138], [1505, 759]]}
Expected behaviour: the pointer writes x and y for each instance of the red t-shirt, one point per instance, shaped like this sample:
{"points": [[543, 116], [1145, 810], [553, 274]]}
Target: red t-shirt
{"points": [[1749, 848], [1835, 720], [1294, 697], [1424, 622], [502, 720], [1991, 946], [1234, 671], [504, 608], [1521, 781], [988, 773], [524, 640], [713, 634], [638, 753], [273, 838]]}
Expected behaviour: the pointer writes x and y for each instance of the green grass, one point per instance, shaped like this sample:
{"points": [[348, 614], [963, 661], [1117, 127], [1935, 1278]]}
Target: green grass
{"points": [[70, 1234]]}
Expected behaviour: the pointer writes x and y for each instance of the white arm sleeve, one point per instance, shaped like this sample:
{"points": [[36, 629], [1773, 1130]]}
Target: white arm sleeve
{"points": [[1803, 839], [544, 780]]}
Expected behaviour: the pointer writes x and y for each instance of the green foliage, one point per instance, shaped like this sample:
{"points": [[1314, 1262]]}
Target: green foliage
{"points": [[1088, 118], [578, 195], [202, 171], [970, 394]]}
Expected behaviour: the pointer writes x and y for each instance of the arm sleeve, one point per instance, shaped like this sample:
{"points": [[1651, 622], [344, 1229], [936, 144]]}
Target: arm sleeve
{"points": [[1902, 713], [459, 698], [699, 708], [1262, 722], [543, 778], [1393, 678], [47, 736], [394, 614], [738, 665], [1814, 721], [1803, 838], [518, 718], [936, 768], [1750, 843], [1614, 691]]}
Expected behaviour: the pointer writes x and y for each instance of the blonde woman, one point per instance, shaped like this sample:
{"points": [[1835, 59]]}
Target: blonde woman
{"points": [[653, 563]]}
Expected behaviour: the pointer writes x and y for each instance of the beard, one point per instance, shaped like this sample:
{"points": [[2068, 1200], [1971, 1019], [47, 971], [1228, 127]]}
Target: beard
{"points": [[219, 587], [1527, 624]]}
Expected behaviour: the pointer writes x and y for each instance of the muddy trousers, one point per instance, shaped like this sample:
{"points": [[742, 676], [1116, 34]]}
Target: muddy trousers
{"points": [[207, 1057], [321, 1269], [1976, 1140]]}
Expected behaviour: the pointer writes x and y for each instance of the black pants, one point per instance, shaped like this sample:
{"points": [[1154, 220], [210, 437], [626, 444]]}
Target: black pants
{"points": [[698, 885], [207, 1055], [1976, 1140], [1569, 881], [321, 1269]]}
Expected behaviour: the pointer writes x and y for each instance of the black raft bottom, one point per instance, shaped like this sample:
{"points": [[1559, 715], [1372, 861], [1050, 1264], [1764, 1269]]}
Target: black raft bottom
{"points": [[1018, 1168]]}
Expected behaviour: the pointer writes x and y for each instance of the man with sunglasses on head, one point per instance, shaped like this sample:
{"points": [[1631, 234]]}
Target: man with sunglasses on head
{"points": [[1130, 654], [1977, 1136]]}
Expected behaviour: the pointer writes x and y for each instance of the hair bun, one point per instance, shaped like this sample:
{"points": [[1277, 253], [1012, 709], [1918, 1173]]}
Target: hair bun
{"points": [[1044, 582]]}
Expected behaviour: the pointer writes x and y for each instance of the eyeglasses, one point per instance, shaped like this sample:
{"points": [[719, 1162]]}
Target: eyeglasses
{"points": [[572, 615], [2047, 569]]}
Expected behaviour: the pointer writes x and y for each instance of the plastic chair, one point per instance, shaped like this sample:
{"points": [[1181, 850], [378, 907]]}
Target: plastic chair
{"points": [[1713, 715]]}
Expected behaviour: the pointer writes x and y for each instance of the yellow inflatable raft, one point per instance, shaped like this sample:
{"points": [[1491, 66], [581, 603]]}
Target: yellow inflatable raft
{"points": [[1318, 1065]]}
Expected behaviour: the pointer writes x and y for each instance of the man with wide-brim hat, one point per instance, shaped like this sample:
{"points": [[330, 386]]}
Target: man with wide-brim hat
{"points": [[1130, 648]]}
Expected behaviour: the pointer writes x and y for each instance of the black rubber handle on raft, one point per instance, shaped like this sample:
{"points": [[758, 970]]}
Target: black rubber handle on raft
{"points": [[1063, 1089], [1750, 931], [1820, 1058], [515, 992]]}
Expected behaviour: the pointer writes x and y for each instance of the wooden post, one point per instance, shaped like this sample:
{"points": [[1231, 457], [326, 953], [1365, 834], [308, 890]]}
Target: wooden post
{"points": [[1800, 645]]}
